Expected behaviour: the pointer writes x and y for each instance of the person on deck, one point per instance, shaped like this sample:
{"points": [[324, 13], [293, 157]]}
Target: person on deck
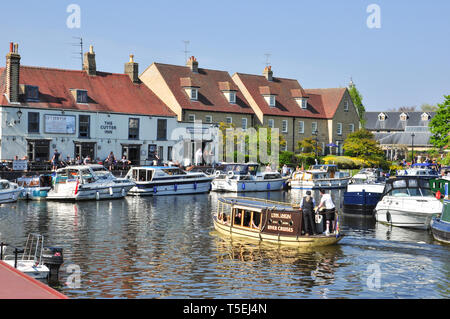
{"points": [[307, 206], [329, 209], [55, 160]]}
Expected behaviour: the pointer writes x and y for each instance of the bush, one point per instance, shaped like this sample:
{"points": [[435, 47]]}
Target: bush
{"points": [[287, 158], [346, 162], [306, 159]]}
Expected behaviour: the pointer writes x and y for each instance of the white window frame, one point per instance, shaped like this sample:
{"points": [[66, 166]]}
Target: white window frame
{"points": [[352, 127], [208, 119], [229, 120], [304, 104], [346, 105], [272, 101], [301, 127], [271, 123], [339, 128], [191, 116], [314, 127], [194, 94], [284, 126], [232, 97], [244, 120]]}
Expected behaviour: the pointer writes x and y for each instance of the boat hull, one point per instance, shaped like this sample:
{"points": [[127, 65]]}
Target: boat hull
{"points": [[10, 196], [360, 203], [29, 268], [318, 184], [34, 193], [440, 230], [406, 219], [90, 193], [301, 241], [238, 186], [171, 188]]}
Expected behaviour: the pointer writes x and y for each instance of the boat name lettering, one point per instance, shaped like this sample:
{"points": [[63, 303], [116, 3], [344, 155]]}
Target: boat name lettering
{"points": [[282, 216], [280, 228]]}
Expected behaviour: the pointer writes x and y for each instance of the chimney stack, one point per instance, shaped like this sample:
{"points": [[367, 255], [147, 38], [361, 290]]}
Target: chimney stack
{"points": [[192, 64], [132, 69], [268, 74], [89, 62], [13, 73]]}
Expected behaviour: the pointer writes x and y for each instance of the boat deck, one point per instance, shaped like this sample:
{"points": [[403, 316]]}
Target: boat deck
{"points": [[17, 285]]}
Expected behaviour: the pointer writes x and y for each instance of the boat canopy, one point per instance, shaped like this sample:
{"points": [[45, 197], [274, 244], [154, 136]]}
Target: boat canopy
{"points": [[257, 203], [238, 168], [404, 186]]}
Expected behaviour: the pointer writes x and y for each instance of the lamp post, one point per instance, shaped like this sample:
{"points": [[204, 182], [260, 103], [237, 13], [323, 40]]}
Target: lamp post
{"points": [[316, 133], [412, 147]]}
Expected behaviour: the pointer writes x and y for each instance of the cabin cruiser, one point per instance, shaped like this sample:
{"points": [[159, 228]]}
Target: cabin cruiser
{"points": [[267, 221], [440, 225], [234, 177], [319, 176], [35, 260], [407, 202], [422, 170], [364, 190], [35, 187], [80, 182], [167, 180], [9, 191]]}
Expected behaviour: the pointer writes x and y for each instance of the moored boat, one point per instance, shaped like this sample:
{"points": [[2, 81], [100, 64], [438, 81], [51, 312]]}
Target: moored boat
{"points": [[364, 190], [422, 170], [407, 202], [319, 176], [266, 221], [34, 187], [9, 191], [167, 180], [244, 177], [81, 183], [440, 226]]}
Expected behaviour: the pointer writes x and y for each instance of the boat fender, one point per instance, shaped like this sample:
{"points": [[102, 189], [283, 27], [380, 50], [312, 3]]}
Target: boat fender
{"points": [[388, 217], [123, 192], [97, 195], [111, 193], [175, 187], [195, 185], [268, 185], [243, 185], [154, 189]]}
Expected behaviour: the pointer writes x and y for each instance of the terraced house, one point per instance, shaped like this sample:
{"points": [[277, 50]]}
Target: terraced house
{"points": [[326, 114], [195, 93]]}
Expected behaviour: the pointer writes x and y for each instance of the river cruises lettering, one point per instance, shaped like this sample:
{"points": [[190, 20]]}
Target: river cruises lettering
{"points": [[108, 127]]}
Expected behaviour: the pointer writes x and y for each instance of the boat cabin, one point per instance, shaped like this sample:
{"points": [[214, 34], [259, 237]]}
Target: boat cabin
{"points": [[238, 169], [83, 174], [405, 187], [152, 173]]}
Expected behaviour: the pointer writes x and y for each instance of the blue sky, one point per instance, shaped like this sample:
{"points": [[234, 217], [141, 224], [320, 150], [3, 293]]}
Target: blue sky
{"points": [[322, 44]]}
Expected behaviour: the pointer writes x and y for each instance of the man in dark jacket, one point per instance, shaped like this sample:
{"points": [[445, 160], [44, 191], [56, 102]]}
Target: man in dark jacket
{"points": [[307, 206]]}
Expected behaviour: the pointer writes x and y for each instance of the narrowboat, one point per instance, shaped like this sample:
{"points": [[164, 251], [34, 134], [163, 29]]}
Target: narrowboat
{"points": [[244, 177], [407, 202], [79, 182], [439, 186], [167, 180], [363, 192], [35, 187], [319, 176], [267, 221], [440, 226]]}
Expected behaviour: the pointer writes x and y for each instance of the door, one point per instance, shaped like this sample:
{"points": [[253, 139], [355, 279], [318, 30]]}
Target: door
{"points": [[85, 149], [38, 150], [132, 153]]}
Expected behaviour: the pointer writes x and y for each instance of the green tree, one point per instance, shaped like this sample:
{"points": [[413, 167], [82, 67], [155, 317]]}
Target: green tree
{"points": [[363, 145], [357, 101], [440, 125], [308, 145], [428, 107]]}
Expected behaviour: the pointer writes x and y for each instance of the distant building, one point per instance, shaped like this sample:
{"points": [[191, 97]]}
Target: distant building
{"points": [[399, 132]]}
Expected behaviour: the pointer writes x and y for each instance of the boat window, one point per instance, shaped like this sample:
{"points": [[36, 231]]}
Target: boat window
{"points": [[399, 184], [134, 175], [414, 192], [413, 183], [174, 171], [256, 219], [400, 192], [87, 176], [247, 218], [142, 176], [237, 213], [426, 192]]}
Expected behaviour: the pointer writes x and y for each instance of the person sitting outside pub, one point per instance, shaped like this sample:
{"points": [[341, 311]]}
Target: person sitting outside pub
{"points": [[110, 160]]}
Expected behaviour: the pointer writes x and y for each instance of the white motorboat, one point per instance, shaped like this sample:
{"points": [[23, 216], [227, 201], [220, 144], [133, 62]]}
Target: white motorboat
{"points": [[408, 202], [82, 183], [234, 177], [9, 191], [167, 180], [422, 170], [320, 176], [34, 187]]}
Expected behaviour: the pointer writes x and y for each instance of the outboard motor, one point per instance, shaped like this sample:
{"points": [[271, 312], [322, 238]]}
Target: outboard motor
{"points": [[52, 257]]}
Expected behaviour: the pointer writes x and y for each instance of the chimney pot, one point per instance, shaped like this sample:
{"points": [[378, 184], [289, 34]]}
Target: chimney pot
{"points": [[268, 74], [89, 64], [11, 47], [132, 69], [192, 64]]}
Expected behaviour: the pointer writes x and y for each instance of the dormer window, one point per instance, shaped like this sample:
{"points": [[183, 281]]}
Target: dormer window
{"points": [[194, 94], [32, 93], [425, 117], [230, 96], [229, 90], [381, 117], [81, 96], [269, 94], [403, 117], [271, 100], [191, 89], [302, 102]]}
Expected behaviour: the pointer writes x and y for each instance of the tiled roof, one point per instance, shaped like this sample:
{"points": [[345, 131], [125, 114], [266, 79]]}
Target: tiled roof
{"points": [[404, 138], [107, 92], [322, 103], [393, 122], [210, 85]]}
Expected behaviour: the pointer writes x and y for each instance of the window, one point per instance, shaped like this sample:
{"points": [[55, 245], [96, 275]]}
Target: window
{"points": [[313, 127], [229, 120], [33, 122], [194, 94], [403, 117], [84, 126], [162, 129], [161, 153], [233, 97], [133, 129], [284, 128], [301, 127], [346, 105], [352, 128], [244, 123], [284, 147], [272, 101], [270, 123], [169, 153], [191, 117], [82, 96], [208, 119], [381, 117], [151, 151], [304, 103], [339, 128], [32, 93]]}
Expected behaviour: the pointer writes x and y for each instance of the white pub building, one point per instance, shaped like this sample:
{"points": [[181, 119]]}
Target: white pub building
{"points": [[81, 113]]}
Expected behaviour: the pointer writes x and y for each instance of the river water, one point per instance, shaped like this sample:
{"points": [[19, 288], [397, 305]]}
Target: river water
{"points": [[166, 247]]}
